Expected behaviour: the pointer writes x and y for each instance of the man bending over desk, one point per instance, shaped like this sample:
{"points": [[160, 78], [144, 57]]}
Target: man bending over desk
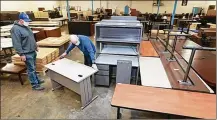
{"points": [[86, 46]]}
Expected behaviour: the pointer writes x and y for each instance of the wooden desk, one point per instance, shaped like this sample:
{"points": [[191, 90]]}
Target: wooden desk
{"points": [[56, 42], [14, 69], [147, 49], [183, 103], [49, 31], [74, 76]]}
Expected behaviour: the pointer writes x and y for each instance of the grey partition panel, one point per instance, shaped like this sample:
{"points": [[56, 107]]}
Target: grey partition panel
{"points": [[123, 74], [121, 21], [123, 17]]}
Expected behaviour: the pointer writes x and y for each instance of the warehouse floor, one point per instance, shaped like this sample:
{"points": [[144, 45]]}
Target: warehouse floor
{"points": [[21, 102]]}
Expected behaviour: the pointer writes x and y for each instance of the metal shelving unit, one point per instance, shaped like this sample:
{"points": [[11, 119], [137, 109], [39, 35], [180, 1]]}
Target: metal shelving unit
{"points": [[116, 40]]}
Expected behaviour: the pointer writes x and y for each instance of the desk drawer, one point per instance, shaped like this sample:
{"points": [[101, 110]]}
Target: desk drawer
{"points": [[102, 67], [102, 80], [102, 72]]}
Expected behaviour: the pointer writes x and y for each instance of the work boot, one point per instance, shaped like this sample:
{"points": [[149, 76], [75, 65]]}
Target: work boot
{"points": [[38, 88]]}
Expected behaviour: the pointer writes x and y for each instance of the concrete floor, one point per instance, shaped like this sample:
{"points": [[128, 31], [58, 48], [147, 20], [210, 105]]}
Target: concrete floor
{"points": [[20, 102]]}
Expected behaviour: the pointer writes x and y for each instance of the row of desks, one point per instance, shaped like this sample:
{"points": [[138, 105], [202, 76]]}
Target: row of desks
{"points": [[156, 75]]}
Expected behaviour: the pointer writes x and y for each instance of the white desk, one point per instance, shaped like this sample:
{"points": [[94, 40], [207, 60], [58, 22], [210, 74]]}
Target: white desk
{"points": [[153, 73], [66, 73]]}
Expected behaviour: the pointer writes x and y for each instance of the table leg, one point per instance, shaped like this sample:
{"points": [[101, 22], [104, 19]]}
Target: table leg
{"points": [[137, 75], [61, 50], [85, 92], [55, 85], [20, 78], [118, 113]]}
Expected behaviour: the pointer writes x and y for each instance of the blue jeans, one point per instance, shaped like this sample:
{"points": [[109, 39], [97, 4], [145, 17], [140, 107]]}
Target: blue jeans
{"points": [[31, 68]]}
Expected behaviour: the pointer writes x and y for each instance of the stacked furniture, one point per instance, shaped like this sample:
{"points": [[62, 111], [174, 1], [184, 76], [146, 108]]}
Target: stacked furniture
{"points": [[44, 56], [55, 42], [116, 41]]}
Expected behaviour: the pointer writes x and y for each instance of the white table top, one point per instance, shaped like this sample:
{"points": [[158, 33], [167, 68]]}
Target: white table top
{"points": [[5, 34], [108, 59], [71, 69], [7, 26], [178, 34], [6, 43], [5, 30], [153, 73], [39, 24]]}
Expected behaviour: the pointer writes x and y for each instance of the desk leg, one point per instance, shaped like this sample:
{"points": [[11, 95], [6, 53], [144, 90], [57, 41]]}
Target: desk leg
{"points": [[86, 92], [137, 75], [55, 85], [61, 50], [118, 113]]}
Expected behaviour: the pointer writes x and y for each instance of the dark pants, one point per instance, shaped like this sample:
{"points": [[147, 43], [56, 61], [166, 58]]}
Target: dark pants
{"points": [[31, 68], [87, 60]]}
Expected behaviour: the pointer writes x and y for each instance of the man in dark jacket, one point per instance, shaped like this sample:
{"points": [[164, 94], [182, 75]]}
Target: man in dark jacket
{"points": [[25, 45], [86, 46]]}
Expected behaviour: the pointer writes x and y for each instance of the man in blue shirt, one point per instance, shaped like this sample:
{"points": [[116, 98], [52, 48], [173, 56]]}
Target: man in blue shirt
{"points": [[86, 46]]}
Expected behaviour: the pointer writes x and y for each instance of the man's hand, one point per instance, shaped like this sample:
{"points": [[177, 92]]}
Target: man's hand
{"points": [[63, 55], [94, 66], [23, 58]]}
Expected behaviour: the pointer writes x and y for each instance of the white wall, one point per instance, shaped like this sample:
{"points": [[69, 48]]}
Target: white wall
{"points": [[143, 6], [27, 5]]}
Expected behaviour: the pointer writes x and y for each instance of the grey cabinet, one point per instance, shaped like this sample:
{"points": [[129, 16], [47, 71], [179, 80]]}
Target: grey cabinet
{"points": [[102, 76]]}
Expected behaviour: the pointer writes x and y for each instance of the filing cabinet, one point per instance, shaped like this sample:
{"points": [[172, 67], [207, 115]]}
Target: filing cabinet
{"points": [[102, 76]]}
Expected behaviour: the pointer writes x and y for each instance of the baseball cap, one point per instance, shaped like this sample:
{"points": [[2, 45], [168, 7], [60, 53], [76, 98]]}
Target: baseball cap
{"points": [[24, 17]]}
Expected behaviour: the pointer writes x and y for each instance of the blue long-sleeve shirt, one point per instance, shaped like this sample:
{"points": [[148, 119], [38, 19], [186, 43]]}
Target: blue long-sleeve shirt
{"points": [[86, 46]]}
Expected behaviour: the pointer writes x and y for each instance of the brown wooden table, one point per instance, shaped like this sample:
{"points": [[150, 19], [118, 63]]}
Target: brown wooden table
{"points": [[14, 69], [169, 101]]}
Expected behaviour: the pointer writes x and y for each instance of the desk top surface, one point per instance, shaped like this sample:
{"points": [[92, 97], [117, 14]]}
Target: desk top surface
{"points": [[108, 59], [185, 103], [153, 73], [54, 41], [147, 49], [71, 69]]}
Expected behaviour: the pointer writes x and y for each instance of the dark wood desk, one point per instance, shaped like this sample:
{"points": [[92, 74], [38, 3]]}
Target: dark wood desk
{"points": [[169, 101], [147, 49]]}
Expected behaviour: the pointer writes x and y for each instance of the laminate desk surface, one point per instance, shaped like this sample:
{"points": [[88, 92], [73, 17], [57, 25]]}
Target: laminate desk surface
{"points": [[147, 49], [152, 72], [112, 59], [46, 28], [54, 41], [184, 103], [71, 69]]}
